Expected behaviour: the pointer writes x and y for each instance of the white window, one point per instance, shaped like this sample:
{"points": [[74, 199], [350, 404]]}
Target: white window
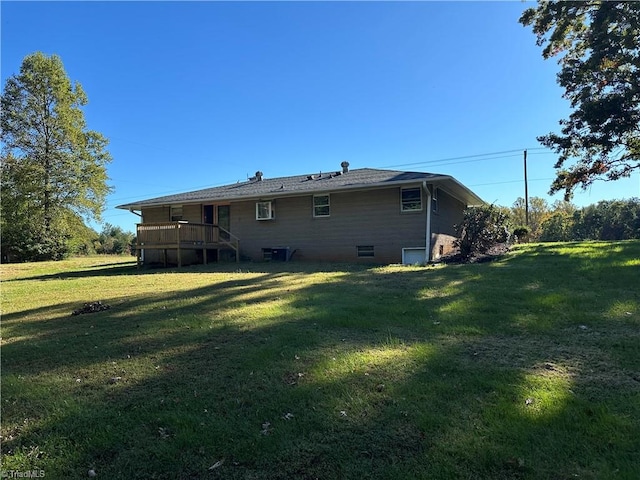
{"points": [[176, 213], [411, 199], [321, 206], [264, 211], [365, 251]]}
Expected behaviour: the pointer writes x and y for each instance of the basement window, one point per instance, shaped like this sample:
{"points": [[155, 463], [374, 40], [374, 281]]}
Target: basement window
{"points": [[411, 200], [264, 211], [365, 251], [321, 206]]}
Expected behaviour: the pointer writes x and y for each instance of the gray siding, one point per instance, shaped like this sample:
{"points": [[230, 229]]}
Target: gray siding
{"points": [[190, 213], [450, 212], [156, 215], [357, 218], [367, 218]]}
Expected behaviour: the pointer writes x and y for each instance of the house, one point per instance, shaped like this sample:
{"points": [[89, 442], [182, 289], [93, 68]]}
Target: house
{"points": [[360, 215]]}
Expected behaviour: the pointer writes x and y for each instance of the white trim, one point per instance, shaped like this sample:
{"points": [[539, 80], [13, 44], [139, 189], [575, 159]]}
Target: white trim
{"points": [[411, 210], [270, 210], [320, 206]]}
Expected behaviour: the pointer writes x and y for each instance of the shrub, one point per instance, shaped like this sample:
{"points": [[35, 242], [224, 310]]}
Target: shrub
{"points": [[481, 228], [521, 233]]}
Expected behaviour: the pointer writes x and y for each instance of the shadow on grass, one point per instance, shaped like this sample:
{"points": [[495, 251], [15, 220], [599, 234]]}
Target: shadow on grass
{"points": [[104, 270], [479, 371]]}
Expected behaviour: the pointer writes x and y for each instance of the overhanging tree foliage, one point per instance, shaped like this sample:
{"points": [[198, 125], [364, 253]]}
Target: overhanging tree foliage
{"points": [[598, 46], [53, 168]]}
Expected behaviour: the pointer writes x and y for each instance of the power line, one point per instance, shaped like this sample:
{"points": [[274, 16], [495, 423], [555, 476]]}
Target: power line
{"points": [[438, 162], [429, 162], [509, 181], [474, 161]]}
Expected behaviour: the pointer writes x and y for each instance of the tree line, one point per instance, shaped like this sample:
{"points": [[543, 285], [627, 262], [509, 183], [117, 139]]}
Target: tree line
{"points": [[562, 221], [79, 240], [54, 173], [483, 227]]}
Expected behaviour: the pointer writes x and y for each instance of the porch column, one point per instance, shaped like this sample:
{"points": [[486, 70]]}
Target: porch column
{"points": [[178, 249]]}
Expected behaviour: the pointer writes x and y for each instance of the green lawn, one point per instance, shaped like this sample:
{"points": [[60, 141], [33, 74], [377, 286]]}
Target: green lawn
{"points": [[524, 368]]}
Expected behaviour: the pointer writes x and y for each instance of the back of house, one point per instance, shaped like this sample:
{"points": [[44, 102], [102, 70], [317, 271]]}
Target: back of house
{"points": [[361, 215]]}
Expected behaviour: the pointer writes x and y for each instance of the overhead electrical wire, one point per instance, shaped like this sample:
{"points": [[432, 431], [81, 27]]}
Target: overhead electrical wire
{"points": [[438, 162], [475, 156]]}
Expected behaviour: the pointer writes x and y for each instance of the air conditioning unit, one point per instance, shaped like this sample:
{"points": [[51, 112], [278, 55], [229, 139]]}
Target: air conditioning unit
{"points": [[280, 254]]}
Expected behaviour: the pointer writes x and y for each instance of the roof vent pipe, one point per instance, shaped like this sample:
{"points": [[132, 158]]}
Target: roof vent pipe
{"points": [[259, 176], [345, 167]]}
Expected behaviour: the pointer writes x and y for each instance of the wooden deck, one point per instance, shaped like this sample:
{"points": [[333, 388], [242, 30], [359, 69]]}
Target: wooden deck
{"points": [[181, 236]]}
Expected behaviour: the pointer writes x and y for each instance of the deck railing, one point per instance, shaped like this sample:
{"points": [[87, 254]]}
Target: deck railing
{"points": [[185, 235]]}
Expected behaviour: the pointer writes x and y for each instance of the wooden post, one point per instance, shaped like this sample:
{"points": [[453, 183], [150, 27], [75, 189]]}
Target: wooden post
{"points": [[526, 192]]}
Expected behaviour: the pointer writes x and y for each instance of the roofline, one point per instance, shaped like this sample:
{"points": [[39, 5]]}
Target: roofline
{"points": [[463, 187], [277, 194]]}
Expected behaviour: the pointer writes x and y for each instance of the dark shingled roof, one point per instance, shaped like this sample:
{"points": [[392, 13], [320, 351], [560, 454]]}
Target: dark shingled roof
{"points": [[356, 179]]}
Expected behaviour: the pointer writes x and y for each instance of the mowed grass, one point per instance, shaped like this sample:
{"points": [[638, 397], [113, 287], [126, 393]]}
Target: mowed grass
{"points": [[523, 368]]}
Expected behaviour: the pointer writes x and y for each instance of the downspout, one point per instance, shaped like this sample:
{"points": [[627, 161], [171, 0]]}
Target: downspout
{"points": [[140, 252], [427, 240]]}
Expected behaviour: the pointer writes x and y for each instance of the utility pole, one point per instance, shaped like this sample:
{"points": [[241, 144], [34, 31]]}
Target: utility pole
{"points": [[526, 191]]}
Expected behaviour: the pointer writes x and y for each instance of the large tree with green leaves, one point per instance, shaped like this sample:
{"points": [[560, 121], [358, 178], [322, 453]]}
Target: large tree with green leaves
{"points": [[53, 167], [597, 44]]}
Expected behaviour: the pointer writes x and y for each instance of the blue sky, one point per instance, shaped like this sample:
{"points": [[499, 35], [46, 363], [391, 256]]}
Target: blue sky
{"points": [[199, 94]]}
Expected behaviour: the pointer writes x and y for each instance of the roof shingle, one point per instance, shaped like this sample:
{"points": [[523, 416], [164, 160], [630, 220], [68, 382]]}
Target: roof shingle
{"points": [[298, 184]]}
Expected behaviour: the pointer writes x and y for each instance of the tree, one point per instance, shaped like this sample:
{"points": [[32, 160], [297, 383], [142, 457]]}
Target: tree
{"points": [[538, 211], [53, 168], [609, 220], [481, 228], [114, 240], [558, 227], [598, 48]]}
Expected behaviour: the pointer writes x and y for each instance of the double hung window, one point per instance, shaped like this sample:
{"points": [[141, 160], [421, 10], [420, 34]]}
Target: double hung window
{"points": [[411, 199], [321, 206]]}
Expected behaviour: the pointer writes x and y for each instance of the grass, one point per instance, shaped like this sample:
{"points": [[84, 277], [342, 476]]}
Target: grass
{"points": [[524, 368]]}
